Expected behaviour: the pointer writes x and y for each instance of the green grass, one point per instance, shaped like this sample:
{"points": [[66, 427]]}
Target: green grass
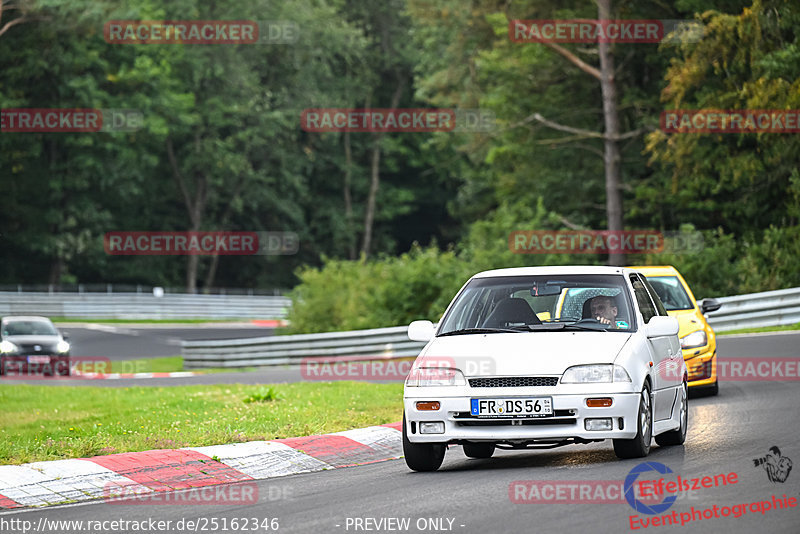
{"points": [[761, 329], [50, 423], [148, 365], [168, 364]]}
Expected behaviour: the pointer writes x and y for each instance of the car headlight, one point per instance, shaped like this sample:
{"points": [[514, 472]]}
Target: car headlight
{"points": [[593, 374], [696, 339], [7, 347], [62, 347], [435, 376]]}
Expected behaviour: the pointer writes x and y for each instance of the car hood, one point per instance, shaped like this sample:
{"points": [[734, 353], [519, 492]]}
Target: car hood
{"points": [[689, 321], [37, 339], [522, 354]]}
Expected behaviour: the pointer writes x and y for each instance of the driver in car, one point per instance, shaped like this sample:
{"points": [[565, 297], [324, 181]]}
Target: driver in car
{"points": [[604, 309]]}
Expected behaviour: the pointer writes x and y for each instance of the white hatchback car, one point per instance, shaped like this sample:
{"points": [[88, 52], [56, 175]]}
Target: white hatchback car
{"points": [[540, 357]]}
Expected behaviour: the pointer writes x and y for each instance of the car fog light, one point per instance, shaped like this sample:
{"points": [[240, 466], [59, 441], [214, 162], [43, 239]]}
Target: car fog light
{"points": [[436, 427], [431, 406], [597, 424]]}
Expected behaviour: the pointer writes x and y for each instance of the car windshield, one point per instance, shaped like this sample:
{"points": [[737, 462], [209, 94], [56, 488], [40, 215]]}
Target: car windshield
{"points": [[29, 328], [541, 303], [671, 292]]}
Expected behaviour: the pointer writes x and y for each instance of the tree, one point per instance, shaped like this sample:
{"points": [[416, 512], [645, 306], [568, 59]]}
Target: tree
{"points": [[21, 8], [539, 88], [611, 135], [739, 182]]}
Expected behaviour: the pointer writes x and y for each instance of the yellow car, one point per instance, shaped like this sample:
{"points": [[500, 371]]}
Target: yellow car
{"points": [[698, 340]]}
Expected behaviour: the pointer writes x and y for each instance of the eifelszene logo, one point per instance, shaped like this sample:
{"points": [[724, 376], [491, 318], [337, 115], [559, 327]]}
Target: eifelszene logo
{"points": [[636, 504]]}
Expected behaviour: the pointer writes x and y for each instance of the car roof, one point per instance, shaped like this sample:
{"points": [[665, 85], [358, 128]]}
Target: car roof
{"points": [[656, 270], [12, 318], [553, 270]]}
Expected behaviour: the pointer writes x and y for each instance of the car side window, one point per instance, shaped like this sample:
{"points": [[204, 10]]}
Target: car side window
{"points": [[643, 299], [654, 295]]}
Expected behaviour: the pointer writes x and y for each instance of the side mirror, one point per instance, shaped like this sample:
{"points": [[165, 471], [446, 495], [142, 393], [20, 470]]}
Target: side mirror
{"points": [[660, 326], [64, 335], [709, 305], [420, 331]]}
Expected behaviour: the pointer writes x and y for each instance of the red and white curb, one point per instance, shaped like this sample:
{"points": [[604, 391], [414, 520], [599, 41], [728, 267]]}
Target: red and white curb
{"points": [[117, 376], [270, 323], [164, 470]]}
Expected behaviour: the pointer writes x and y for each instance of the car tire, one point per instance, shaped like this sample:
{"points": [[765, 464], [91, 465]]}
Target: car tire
{"points": [[713, 390], [479, 450], [639, 446], [677, 436], [422, 456], [64, 369]]}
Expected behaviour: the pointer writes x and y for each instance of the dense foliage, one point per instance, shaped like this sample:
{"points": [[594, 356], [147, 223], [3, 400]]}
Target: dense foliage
{"points": [[222, 148]]}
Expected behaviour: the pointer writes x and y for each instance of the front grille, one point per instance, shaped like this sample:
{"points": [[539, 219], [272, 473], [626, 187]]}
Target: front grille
{"points": [[520, 422], [700, 371], [30, 348], [514, 382]]}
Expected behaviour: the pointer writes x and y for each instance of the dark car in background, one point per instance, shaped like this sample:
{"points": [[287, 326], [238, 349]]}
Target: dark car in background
{"points": [[31, 345]]}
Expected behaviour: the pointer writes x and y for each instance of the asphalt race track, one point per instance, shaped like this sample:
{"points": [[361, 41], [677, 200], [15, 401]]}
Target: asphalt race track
{"points": [[131, 342], [726, 434], [778, 345]]}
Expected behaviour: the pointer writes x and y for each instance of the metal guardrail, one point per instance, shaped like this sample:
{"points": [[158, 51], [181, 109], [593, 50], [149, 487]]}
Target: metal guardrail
{"points": [[769, 308], [378, 343], [134, 288], [143, 306]]}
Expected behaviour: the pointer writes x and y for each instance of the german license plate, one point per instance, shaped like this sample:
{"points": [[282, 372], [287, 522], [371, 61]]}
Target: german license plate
{"points": [[38, 359], [518, 408]]}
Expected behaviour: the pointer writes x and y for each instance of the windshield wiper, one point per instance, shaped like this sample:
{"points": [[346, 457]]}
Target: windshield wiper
{"points": [[552, 327], [585, 327], [478, 331]]}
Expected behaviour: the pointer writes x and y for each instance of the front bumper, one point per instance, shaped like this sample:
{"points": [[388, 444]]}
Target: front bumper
{"points": [[570, 412], [15, 365], [701, 364]]}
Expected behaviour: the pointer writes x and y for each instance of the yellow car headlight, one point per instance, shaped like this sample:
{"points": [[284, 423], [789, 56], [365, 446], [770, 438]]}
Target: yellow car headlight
{"points": [[696, 339]]}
